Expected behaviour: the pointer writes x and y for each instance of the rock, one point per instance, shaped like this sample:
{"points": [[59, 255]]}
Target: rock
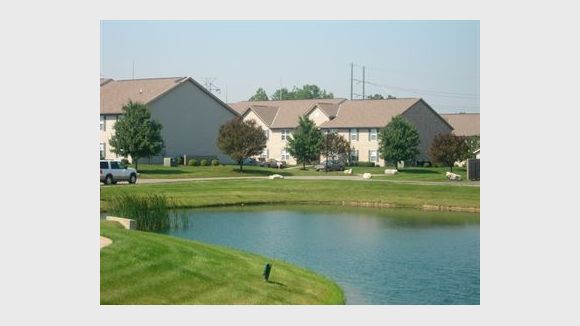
{"points": [[276, 176], [367, 176], [391, 171], [349, 171], [452, 176]]}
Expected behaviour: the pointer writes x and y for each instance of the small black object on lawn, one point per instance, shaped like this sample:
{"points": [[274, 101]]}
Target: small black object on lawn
{"points": [[266, 272]]}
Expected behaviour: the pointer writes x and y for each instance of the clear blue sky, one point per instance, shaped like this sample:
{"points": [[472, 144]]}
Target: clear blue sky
{"points": [[436, 60]]}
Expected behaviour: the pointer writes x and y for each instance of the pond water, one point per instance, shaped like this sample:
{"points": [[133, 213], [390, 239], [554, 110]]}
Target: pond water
{"points": [[377, 256]]}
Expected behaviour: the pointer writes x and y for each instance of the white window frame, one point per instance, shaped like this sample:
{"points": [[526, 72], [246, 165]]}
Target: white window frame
{"points": [[376, 152], [284, 155], [284, 133], [103, 124], [353, 133], [373, 134]]}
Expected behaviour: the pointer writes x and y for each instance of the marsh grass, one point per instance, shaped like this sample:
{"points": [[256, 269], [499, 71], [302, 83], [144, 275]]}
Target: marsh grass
{"points": [[151, 211]]}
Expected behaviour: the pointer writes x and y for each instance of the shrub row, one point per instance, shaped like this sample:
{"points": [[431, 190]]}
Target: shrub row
{"points": [[194, 162]]}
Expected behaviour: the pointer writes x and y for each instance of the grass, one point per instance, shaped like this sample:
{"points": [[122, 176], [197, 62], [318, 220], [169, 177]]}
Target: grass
{"points": [[193, 194], [149, 268], [161, 172], [150, 211]]}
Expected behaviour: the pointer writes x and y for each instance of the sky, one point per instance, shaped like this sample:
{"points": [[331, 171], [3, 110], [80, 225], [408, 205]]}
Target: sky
{"points": [[435, 60]]}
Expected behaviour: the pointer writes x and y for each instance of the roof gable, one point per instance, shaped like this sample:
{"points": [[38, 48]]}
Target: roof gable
{"points": [[464, 124], [117, 93]]}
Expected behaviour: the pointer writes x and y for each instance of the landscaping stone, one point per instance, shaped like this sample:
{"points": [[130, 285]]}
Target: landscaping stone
{"points": [[367, 176], [127, 223], [276, 176], [391, 171]]}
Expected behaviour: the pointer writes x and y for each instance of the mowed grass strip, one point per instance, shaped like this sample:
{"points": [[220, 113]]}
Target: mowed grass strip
{"points": [[149, 268], [161, 172], [194, 194]]}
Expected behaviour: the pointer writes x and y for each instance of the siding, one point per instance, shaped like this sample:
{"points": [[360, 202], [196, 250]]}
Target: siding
{"points": [[429, 124]]}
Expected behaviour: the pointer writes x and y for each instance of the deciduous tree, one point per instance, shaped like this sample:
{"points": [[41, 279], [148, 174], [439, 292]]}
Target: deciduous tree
{"points": [[335, 146], [399, 141], [241, 139], [306, 142], [260, 95], [448, 148], [136, 134]]}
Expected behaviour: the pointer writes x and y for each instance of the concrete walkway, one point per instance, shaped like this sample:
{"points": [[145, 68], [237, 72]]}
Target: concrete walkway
{"points": [[320, 177], [105, 242]]}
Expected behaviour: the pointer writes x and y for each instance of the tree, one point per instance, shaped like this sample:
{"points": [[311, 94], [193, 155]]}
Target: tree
{"points": [[301, 93], [241, 139], [335, 146], [136, 134], [260, 95], [306, 142], [472, 146], [448, 149], [375, 97], [398, 141]]}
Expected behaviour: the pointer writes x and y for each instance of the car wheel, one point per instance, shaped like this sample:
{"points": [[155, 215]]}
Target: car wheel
{"points": [[133, 178], [109, 180]]}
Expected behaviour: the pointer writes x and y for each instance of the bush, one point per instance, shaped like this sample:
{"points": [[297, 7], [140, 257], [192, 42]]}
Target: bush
{"points": [[178, 160], [204, 163], [215, 162], [193, 162]]}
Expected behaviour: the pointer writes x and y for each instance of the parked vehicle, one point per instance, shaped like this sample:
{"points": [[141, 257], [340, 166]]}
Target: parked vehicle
{"points": [[329, 166], [250, 162], [113, 171], [272, 163]]}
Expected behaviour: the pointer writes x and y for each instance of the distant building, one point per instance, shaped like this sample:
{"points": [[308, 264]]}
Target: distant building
{"points": [[359, 121], [190, 114], [464, 124]]}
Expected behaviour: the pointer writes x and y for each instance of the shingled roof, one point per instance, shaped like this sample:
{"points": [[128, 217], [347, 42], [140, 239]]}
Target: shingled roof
{"points": [[116, 93], [285, 113], [341, 112], [464, 124]]}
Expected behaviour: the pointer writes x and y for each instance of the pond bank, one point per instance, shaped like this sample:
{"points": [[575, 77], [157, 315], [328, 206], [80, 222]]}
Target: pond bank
{"points": [[179, 271]]}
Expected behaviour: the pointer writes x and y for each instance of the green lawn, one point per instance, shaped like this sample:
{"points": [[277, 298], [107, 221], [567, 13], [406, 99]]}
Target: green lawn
{"points": [[160, 172], [263, 191], [148, 268]]}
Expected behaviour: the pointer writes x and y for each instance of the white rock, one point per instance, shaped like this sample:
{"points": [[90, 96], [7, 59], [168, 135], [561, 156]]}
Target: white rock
{"points": [[349, 171], [367, 176], [276, 176], [452, 176], [391, 171]]}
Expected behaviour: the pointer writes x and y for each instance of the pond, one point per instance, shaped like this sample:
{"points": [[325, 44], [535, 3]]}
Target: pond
{"points": [[377, 256]]}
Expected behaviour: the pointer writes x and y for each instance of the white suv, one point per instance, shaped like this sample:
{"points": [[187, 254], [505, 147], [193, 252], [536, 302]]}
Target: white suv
{"points": [[113, 171]]}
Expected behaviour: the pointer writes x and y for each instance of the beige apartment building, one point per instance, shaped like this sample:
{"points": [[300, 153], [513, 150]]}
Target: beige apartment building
{"points": [[190, 115], [359, 121]]}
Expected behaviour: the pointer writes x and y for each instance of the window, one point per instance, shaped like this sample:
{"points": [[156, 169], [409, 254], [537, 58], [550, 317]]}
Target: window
{"points": [[115, 165], [104, 165], [103, 122], [354, 155], [373, 134], [285, 133], [267, 133], [373, 155], [264, 154], [354, 134], [102, 150], [285, 155]]}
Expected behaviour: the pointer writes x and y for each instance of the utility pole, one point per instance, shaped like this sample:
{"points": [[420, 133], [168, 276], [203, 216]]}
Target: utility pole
{"points": [[351, 76], [363, 82]]}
